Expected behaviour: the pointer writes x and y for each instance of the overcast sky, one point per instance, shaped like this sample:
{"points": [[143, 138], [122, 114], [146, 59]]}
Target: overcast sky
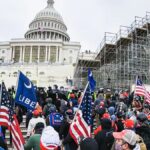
{"points": [[87, 20]]}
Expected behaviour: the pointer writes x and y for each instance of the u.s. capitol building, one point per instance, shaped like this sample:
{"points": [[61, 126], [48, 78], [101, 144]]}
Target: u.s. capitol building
{"points": [[45, 54]]}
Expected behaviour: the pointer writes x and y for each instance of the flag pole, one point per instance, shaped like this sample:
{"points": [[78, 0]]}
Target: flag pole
{"points": [[17, 80], [1, 94], [81, 100], [135, 85], [16, 87]]}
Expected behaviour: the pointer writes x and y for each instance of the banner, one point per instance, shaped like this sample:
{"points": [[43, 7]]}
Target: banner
{"points": [[25, 94]]}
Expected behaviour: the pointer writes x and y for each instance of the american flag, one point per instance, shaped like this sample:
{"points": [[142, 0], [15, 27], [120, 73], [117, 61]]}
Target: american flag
{"points": [[141, 90], [86, 106], [81, 125], [79, 128], [8, 119]]}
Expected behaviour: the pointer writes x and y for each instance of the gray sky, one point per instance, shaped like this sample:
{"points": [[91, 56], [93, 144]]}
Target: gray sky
{"points": [[87, 20]]}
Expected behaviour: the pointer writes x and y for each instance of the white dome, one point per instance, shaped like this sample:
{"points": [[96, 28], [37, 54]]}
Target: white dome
{"points": [[48, 24], [49, 13]]}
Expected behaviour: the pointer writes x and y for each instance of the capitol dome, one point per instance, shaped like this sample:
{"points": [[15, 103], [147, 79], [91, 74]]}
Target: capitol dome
{"points": [[48, 24]]}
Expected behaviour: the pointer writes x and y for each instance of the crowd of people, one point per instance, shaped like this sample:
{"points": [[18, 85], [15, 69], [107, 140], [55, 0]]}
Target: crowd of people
{"points": [[120, 121]]}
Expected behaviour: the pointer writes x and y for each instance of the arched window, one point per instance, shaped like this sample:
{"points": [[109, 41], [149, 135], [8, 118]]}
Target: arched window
{"points": [[41, 73], [2, 73], [28, 73], [15, 74]]}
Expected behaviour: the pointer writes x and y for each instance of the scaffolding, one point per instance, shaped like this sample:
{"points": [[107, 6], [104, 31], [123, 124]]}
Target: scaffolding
{"points": [[124, 55]]}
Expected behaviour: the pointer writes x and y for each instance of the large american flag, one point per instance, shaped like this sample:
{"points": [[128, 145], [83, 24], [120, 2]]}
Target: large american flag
{"points": [[86, 106], [141, 90], [81, 125], [79, 128], [8, 119]]}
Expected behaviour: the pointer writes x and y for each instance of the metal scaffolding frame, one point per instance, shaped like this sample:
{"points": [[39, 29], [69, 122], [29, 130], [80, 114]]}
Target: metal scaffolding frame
{"points": [[131, 55], [122, 56]]}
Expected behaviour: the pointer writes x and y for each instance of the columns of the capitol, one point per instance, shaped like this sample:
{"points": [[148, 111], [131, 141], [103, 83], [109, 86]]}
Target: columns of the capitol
{"points": [[60, 54], [46, 53], [49, 53], [41, 35], [38, 59], [56, 53], [13, 53], [20, 59], [45, 35], [49, 35], [23, 54], [30, 54]]}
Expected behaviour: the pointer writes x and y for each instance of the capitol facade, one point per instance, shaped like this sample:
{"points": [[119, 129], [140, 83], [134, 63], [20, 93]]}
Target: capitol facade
{"points": [[45, 54]]}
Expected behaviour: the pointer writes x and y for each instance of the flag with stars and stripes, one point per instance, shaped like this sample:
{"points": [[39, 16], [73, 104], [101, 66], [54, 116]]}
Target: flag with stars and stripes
{"points": [[81, 125], [86, 106], [8, 118], [141, 90]]}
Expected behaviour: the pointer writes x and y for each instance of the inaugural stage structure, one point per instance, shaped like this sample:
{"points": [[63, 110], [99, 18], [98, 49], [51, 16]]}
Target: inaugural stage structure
{"points": [[121, 56]]}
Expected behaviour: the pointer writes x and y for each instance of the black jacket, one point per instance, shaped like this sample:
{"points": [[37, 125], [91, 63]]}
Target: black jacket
{"points": [[105, 139], [144, 132], [68, 141]]}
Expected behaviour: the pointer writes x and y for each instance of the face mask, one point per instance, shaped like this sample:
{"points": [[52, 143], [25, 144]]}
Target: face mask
{"points": [[118, 147]]}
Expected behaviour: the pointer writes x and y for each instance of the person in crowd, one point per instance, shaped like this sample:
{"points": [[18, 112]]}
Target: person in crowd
{"points": [[73, 101], [137, 103], [33, 142], [35, 119], [143, 128], [29, 115], [104, 138], [129, 124], [120, 121], [49, 107], [68, 142], [50, 139], [19, 114], [124, 140], [3, 144], [55, 120], [88, 144]]}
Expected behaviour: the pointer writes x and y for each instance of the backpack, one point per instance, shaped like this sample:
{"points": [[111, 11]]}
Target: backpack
{"points": [[55, 119], [50, 109], [141, 143]]}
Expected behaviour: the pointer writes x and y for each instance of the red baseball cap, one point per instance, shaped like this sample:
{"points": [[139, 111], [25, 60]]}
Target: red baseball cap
{"points": [[129, 123], [106, 116], [35, 112]]}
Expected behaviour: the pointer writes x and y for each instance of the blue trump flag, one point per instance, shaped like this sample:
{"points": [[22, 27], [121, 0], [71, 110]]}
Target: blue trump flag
{"points": [[92, 82], [25, 94]]}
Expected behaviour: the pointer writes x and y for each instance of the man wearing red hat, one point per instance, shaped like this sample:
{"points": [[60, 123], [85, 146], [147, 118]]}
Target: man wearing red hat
{"points": [[35, 119]]}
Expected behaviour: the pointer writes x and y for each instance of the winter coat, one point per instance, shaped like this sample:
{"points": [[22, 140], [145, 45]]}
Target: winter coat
{"points": [[33, 142], [32, 124], [105, 139], [144, 132]]}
